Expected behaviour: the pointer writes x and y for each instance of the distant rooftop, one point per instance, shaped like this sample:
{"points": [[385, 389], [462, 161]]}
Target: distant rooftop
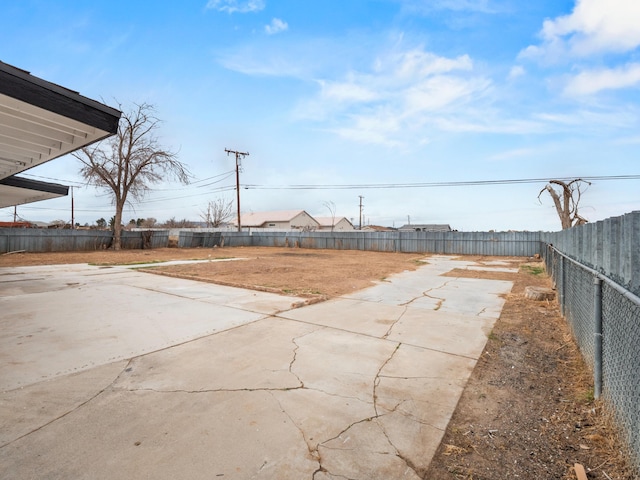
{"points": [[425, 227]]}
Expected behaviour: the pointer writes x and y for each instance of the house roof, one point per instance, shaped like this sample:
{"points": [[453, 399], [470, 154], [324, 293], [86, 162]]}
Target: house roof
{"points": [[328, 221], [426, 227], [260, 218], [40, 121]]}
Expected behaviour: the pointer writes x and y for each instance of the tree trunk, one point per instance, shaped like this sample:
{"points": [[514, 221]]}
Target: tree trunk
{"points": [[117, 227]]}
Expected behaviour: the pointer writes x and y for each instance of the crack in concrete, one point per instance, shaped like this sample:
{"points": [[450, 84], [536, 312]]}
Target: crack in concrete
{"points": [[215, 390], [69, 412], [426, 294], [412, 466], [295, 356], [376, 380], [386, 335], [323, 470]]}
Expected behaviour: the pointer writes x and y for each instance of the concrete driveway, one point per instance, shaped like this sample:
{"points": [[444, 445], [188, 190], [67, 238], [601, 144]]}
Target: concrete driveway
{"points": [[113, 373]]}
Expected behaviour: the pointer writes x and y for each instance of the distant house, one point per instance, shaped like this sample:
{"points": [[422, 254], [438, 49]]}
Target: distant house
{"points": [[340, 224], [280, 220], [377, 228], [423, 227]]}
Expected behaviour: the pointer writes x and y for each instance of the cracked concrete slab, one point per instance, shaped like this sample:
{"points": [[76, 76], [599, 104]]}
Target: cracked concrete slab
{"points": [[179, 379], [454, 333], [62, 321], [148, 434], [27, 409]]}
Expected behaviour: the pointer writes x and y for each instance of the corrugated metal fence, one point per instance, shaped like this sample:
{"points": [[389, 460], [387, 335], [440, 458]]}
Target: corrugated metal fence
{"points": [[611, 247], [520, 244], [60, 240], [456, 243]]}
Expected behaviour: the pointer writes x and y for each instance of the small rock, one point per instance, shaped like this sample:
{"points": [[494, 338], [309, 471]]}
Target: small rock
{"points": [[539, 293]]}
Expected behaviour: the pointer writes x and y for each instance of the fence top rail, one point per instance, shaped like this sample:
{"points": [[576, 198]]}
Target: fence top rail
{"points": [[617, 287]]}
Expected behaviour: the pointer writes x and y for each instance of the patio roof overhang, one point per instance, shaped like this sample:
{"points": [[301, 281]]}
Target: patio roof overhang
{"points": [[40, 121]]}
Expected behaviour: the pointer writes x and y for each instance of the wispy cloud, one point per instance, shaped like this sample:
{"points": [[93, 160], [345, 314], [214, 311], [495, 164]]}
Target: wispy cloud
{"points": [[511, 154], [236, 6], [482, 6], [276, 26], [516, 71], [394, 99], [592, 81], [594, 26]]}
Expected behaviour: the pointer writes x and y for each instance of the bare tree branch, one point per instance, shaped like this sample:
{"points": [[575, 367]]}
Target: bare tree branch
{"points": [[332, 210], [567, 200], [128, 163], [217, 212]]}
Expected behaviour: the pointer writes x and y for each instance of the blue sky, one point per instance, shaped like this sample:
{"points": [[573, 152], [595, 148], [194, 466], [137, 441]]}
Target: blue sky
{"points": [[358, 93]]}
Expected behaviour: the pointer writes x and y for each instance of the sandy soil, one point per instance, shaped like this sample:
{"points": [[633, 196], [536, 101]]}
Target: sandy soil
{"points": [[528, 409]]}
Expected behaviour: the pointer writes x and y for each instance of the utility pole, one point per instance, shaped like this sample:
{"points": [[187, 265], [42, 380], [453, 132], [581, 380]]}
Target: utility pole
{"points": [[239, 156], [73, 224], [361, 197]]}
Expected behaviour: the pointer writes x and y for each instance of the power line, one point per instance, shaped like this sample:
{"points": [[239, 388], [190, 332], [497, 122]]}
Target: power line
{"points": [[434, 184], [55, 179]]}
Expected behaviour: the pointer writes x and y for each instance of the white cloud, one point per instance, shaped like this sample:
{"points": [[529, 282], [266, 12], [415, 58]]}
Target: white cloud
{"points": [[593, 81], [347, 92], [594, 26], [276, 26], [418, 63], [393, 101], [516, 71], [440, 91], [239, 6]]}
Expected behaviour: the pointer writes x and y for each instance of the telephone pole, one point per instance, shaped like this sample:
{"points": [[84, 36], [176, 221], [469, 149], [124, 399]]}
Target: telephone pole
{"points": [[239, 156], [361, 197], [73, 224]]}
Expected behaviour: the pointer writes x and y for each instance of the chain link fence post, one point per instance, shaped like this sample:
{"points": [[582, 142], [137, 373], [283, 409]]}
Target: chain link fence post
{"points": [[597, 361]]}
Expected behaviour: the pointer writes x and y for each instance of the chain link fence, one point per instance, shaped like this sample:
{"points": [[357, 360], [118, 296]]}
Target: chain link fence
{"points": [[605, 320]]}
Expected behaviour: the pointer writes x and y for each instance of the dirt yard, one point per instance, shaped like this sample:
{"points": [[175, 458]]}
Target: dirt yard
{"points": [[528, 409]]}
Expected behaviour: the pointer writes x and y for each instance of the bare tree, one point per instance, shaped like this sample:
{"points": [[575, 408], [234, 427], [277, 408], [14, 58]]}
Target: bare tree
{"points": [[149, 222], [332, 210], [128, 163], [218, 212], [566, 200]]}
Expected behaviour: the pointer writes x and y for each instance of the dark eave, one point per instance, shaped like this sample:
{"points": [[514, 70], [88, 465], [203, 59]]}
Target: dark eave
{"points": [[16, 190], [41, 121]]}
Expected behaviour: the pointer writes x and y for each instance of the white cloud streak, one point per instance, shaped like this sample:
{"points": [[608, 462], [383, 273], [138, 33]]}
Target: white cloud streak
{"points": [[590, 82], [276, 26], [236, 6]]}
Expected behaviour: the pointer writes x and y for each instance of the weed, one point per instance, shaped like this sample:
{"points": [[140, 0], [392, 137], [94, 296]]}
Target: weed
{"points": [[587, 396], [533, 269]]}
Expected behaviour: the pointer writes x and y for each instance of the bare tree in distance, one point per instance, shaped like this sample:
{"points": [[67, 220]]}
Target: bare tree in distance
{"points": [[332, 210], [566, 200], [128, 163], [217, 213]]}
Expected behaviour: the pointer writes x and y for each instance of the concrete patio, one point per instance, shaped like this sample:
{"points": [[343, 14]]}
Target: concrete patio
{"points": [[113, 373]]}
